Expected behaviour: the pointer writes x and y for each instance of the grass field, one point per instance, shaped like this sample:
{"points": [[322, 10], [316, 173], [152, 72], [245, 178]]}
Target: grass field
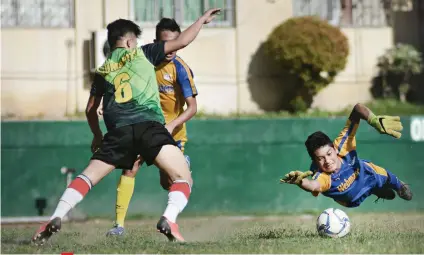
{"points": [[371, 233]]}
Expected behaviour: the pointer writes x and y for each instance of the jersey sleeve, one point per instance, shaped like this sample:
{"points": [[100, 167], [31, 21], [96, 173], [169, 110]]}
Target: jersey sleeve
{"points": [[154, 52], [185, 79], [324, 181], [346, 140], [98, 86]]}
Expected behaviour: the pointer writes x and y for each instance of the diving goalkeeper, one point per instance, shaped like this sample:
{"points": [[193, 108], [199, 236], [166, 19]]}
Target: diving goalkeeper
{"points": [[340, 174]]}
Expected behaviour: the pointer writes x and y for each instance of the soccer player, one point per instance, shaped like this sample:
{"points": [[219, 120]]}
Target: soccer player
{"points": [[340, 174], [176, 87], [134, 120]]}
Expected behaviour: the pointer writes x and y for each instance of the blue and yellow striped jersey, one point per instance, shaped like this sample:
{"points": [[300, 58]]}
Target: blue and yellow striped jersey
{"points": [[175, 81], [356, 178]]}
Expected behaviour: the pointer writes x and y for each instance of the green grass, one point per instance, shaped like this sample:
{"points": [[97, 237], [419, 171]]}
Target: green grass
{"points": [[371, 233]]}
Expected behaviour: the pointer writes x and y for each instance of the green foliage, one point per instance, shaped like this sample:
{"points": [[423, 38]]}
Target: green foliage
{"points": [[386, 107], [312, 50], [397, 65], [401, 59]]}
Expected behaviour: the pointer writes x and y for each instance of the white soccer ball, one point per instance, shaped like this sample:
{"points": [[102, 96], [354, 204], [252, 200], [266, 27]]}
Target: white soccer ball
{"points": [[333, 223]]}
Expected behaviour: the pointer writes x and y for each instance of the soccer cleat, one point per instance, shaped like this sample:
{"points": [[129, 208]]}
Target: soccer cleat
{"points": [[404, 192], [170, 230], [384, 192], [117, 230], [46, 231]]}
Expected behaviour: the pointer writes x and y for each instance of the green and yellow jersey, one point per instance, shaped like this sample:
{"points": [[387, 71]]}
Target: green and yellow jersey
{"points": [[127, 82]]}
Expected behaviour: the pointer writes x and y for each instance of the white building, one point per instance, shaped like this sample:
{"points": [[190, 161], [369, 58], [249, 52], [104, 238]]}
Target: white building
{"points": [[46, 54]]}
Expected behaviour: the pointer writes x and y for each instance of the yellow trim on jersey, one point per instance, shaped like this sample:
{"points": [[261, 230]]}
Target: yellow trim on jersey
{"points": [[324, 180], [378, 169], [346, 141]]}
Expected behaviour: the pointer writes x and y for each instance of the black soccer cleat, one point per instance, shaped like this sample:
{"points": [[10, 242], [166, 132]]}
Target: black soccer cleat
{"points": [[46, 231], [384, 192], [404, 192]]}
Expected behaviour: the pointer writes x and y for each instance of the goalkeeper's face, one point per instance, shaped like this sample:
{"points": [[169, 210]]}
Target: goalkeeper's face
{"points": [[326, 158]]}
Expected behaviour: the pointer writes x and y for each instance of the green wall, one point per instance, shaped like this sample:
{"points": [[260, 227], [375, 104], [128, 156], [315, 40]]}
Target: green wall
{"points": [[236, 167]]}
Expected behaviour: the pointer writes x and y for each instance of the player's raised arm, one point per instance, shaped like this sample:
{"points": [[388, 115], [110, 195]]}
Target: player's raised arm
{"points": [[359, 112], [156, 52], [346, 140], [188, 35]]}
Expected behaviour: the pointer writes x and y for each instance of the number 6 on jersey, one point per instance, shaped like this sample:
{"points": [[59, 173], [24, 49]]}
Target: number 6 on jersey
{"points": [[123, 91]]}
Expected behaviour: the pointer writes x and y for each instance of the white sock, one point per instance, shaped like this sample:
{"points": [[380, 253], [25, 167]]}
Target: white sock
{"points": [[69, 199], [177, 201]]}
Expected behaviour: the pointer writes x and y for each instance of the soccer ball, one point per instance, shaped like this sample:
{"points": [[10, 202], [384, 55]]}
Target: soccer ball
{"points": [[333, 223]]}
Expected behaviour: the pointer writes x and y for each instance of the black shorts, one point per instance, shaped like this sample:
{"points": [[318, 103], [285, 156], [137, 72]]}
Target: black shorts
{"points": [[121, 146]]}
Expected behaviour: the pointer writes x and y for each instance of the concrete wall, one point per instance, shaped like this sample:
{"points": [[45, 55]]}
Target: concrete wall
{"points": [[353, 84], [51, 66], [212, 57], [37, 71]]}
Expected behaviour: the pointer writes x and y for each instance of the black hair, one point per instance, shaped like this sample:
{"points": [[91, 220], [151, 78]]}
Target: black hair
{"points": [[119, 28], [316, 141], [167, 24]]}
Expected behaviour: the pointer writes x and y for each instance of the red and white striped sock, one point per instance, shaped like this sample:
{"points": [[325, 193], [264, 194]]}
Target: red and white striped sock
{"points": [[74, 194], [178, 195]]}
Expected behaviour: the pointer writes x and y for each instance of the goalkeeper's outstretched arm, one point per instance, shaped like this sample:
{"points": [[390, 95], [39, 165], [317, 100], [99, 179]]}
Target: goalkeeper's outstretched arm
{"points": [[310, 185], [359, 112], [300, 179], [389, 125]]}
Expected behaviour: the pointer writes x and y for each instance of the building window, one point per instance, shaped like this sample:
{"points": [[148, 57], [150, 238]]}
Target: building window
{"points": [[37, 13], [185, 12], [352, 13]]}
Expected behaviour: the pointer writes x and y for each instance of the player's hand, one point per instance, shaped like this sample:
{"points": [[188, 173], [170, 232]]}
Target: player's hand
{"points": [[295, 177], [390, 125], [170, 128], [100, 111], [210, 15], [96, 143]]}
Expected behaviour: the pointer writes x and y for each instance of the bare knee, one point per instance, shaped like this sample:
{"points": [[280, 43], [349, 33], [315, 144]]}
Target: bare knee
{"points": [[172, 162], [167, 181], [96, 170], [165, 184], [181, 177]]}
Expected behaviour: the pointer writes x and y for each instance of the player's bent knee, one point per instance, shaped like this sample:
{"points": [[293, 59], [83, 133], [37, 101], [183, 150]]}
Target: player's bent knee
{"points": [[166, 181], [96, 170], [177, 176], [172, 161], [165, 184]]}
